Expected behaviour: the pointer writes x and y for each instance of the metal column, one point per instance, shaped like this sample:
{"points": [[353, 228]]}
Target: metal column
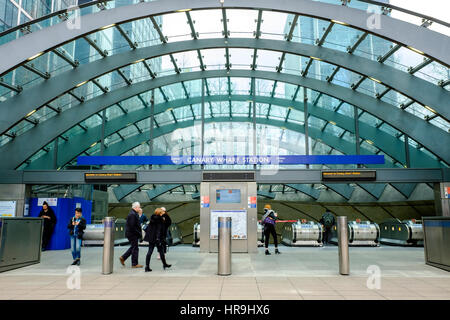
{"points": [[152, 122], [407, 157], [224, 255], [102, 141], [55, 154], [203, 120], [108, 245], [254, 119], [305, 106], [344, 265], [356, 117]]}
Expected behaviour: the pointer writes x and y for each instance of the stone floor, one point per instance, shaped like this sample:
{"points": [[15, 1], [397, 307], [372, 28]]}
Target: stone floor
{"points": [[296, 274]]}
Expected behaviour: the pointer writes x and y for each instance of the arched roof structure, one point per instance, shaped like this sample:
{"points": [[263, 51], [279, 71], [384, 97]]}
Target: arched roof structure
{"points": [[77, 73]]}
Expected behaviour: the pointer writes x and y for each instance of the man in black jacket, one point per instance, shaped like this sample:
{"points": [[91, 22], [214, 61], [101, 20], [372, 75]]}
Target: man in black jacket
{"points": [[76, 227], [134, 234], [49, 224]]}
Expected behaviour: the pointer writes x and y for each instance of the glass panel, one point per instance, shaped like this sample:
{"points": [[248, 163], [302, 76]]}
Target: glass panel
{"points": [[208, 23], [274, 25], [175, 26], [242, 23], [240, 58]]}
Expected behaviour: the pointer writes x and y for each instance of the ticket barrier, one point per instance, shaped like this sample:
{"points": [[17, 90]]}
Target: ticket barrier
{"points": [[94, 234], [402, 233], [360, 233], [302, 233], [260, 235], [173, 238]]}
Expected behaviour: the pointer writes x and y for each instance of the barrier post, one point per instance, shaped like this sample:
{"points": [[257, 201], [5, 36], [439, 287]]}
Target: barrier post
{"points": [[108, 245], [342, 227], [224, 255]]}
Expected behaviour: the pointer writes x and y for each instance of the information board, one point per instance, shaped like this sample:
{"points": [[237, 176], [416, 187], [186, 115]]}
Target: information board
{"points": [[7, 208], [228, 196], [52, 202], [238, 223]]}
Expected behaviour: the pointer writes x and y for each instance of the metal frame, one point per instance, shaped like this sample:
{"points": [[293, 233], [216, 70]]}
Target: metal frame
{"points": [[417, 89], [28, 144], [414, 127], [30, 45], [306, 176]]}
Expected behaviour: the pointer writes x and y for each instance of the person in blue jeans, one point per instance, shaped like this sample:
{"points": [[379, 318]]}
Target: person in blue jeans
{"points": [[76, 227]]}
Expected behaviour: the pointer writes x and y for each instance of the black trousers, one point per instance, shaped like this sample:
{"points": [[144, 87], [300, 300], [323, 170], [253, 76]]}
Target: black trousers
{"points": [[46, 236], [133, 250], [326, 235], [269, 229], [160, 247]]}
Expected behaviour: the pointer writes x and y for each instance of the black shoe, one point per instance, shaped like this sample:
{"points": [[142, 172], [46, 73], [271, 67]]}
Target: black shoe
{"points": [[74, 262], [268, 253], [147, 269], [277, 252], [166, 266], [78, 262]]}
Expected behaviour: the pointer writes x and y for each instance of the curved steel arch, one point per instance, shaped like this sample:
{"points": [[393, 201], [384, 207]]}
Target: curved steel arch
{"points": [[417, 129], [433, 44], [67, 152], [27, 145], [39, 95]]}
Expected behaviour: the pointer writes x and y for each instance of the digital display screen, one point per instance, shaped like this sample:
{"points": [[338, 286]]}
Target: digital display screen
{"points": [[349, 175], [228, 196]]}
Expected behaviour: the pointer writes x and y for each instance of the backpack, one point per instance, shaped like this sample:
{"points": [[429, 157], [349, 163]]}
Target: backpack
{"points": [[328, 219]]}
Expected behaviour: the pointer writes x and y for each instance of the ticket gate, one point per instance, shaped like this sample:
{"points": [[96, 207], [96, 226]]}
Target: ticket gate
{"points": [[260, 235], [228, 194], [94, 234], [402, 233], [360, 233], [302, 233]]}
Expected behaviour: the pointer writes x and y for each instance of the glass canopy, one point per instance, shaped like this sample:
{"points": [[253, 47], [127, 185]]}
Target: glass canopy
{"points": [[229, 100]]}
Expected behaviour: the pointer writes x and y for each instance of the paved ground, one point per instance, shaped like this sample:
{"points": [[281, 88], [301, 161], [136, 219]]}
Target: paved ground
{"points": [[298, 273]]}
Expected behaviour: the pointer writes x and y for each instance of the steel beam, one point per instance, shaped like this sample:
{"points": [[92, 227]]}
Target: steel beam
{"points": [[69, 118], [195, 176], [431, 43], [417, 89]]}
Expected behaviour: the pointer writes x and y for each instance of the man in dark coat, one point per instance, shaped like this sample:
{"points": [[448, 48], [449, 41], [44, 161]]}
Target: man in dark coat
{"points": [[327, 222], [154, 236], [49, 223], [133, 233], [166, 232]]}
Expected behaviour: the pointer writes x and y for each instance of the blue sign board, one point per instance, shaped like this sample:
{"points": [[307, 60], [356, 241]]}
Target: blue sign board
{"points": [[230, 160]]}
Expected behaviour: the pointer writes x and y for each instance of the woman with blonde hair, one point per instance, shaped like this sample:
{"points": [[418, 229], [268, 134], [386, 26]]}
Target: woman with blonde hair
{"points": [[154, 236]]}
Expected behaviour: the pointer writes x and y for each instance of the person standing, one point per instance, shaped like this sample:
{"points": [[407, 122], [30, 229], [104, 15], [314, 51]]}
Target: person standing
{"points": [[76, 227], [49, 224], [143, 221], [268, 221], [327, 222], [133, 232], [154, 237], [167, 221]]}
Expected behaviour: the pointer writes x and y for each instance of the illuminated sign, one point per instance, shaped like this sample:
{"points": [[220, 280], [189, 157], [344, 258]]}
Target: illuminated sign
{"points": [[349, 175], [110, 177]]}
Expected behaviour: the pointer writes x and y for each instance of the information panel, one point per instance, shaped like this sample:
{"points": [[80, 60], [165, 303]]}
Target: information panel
{"points": [[349, 175], [7, 208], [110, 177], [228, 196], [238, 223]]}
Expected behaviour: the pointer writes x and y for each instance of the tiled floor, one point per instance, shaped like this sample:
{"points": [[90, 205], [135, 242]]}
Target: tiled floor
{"points": [[296, 274]]}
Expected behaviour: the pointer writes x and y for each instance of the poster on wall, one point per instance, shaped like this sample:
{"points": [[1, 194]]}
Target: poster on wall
{"points": [[26, 210], [52, 202], [7, 208], [238, 223]]}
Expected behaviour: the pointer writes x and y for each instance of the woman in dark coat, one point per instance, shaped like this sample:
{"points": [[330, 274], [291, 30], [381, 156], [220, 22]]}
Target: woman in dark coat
{"points": [[49, 223], [154, 236], [167, 222]]}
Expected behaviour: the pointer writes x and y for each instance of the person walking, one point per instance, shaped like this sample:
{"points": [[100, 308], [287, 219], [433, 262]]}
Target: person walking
{"points": [[268, 221], [49, 224], [133, 233], [167, 221], [153, 236], [76, 227], [327, 222]]}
